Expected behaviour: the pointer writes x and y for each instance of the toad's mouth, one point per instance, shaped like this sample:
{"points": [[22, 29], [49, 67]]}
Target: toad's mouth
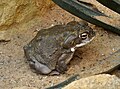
{"points": [[84, 42]]}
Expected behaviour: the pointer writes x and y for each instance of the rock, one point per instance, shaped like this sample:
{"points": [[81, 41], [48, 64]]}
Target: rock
{"points": [[5, 36], [102, 81], [19, 11], [24, 87]]}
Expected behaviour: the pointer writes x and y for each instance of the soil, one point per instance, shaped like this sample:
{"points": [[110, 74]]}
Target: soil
{"points": [[14, 69]]}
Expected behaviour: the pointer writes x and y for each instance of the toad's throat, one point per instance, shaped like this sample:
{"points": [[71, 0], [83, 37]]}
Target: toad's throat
{"points": [[82, 44]]}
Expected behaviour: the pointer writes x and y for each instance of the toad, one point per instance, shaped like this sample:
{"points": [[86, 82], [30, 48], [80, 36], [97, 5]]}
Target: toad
{"points": [[53, 48]]}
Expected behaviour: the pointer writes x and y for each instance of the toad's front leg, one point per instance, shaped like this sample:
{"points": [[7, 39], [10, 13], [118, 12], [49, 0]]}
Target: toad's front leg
{"points": [[64, 59]]}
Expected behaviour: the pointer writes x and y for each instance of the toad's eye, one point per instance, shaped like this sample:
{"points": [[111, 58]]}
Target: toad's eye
{"points": [[84, 36]]}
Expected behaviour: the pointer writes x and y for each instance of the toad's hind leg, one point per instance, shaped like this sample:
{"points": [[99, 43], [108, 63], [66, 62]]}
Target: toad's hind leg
{"points": [[39, 67]]}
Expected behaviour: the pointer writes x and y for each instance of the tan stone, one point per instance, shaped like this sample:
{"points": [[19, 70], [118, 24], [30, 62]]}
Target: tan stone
{"points": [[17, 11], [102, 81], [5, 36]]}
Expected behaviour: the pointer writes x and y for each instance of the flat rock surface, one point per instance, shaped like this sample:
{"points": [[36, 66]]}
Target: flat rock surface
{"points": [[103, 81], [14, 69]]}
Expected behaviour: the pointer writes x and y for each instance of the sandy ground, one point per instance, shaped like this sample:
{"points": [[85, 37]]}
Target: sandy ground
{"points": [[14, 69]]}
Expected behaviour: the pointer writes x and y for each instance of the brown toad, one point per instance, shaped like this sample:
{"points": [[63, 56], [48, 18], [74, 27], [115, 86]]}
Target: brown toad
{"points": [[52, 49]]}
